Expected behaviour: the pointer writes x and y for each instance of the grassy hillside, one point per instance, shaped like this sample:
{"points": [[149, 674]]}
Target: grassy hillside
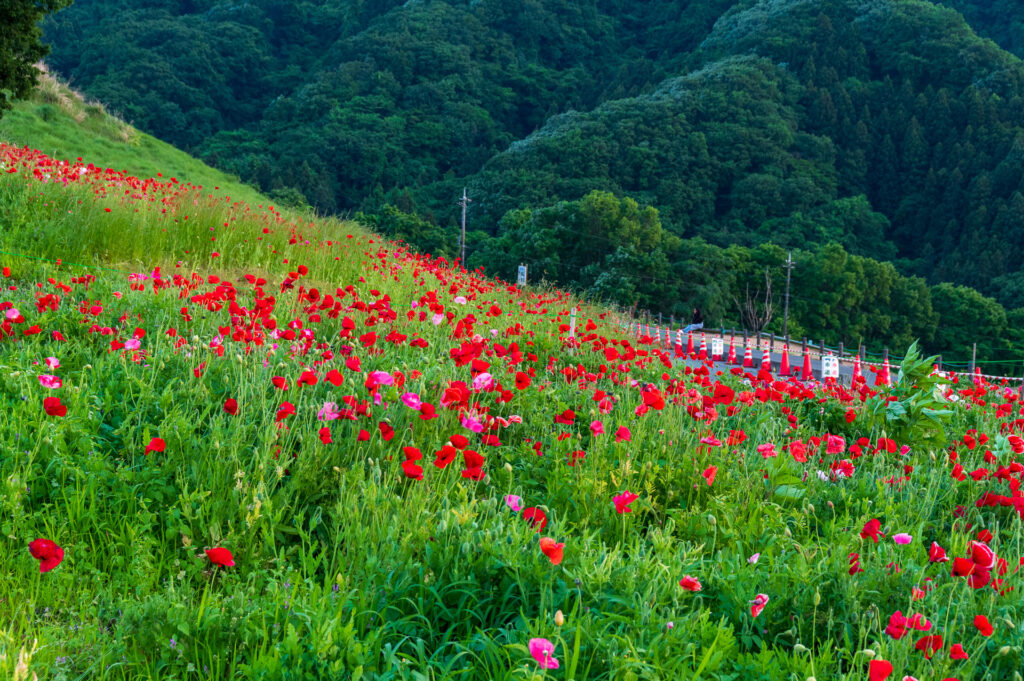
{"points": [[62, 124], [240, 444]]}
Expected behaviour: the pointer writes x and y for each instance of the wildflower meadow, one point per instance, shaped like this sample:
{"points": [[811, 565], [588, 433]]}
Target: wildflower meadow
{"points": [[241, 443]]}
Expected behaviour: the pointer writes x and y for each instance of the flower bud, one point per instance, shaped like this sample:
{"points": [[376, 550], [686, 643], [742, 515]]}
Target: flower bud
{"points": [[799, 649], [817, 598], [559, 618], [712, 520], [868, 653]]}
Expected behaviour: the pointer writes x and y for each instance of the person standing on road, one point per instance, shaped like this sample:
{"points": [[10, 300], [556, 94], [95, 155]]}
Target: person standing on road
{"points": [[696, 322]]}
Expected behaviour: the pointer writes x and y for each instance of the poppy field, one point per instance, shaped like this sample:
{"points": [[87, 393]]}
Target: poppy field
{"points": [[239, 443]]}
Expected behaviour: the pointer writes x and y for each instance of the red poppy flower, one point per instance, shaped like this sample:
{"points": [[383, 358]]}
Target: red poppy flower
{"points": [[937, 554], [325, 435], [983, 625], [220, 556], [690, 583], [445, 456], [536, 517], [47, 553], [552, 549], [412, 470], [280, 382], [567, 417], [53, 407], [879, 670], [872, 529], [363, 435], [386, 431], [522, 380], [709, 474], [929, 644], [736, 437], [155, 445], [982, 555], [459, 441], [231, 406], [335, 377], [957, 652], [758, 604]]}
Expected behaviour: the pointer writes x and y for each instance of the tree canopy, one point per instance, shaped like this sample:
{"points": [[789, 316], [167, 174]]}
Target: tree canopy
{"points": [[20, 46]]}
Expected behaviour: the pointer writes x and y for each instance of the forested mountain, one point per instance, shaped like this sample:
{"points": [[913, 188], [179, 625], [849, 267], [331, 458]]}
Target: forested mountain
{"points": [[858, 132]]}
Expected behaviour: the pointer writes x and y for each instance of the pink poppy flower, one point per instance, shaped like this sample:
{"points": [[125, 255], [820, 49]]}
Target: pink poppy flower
{"points": [[51, 382], [902, 538], [597, 428], [328, 412], [623, 434], [622, 501], [543, 652], [514, 501], [52, 363], [411, 400], [835, 444], [483, 382]]}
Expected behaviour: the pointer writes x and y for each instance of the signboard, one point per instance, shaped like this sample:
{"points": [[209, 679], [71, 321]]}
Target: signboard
{"points": [[830, 366], [572, 324], [521, 281], [717, 346]]}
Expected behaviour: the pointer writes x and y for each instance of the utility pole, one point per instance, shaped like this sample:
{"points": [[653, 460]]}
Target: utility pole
{"points": [[464, 202], [785, 314]]}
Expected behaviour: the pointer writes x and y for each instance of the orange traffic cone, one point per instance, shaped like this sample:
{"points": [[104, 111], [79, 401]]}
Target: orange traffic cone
{"points": [[808, 374], [679, 343], [882, 377], [703, 348], [689, 344], [856, 369], [766, 358], [784, 367], [732, 351], [748, 357]]}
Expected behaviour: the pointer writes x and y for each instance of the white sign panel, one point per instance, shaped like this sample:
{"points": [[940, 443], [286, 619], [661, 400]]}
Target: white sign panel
{"points": [[521, 281], [830, 366], [717, 345], [572, 324]]}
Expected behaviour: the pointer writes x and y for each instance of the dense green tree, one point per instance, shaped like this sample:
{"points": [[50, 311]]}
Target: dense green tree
{"points": [[20, 46]]}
